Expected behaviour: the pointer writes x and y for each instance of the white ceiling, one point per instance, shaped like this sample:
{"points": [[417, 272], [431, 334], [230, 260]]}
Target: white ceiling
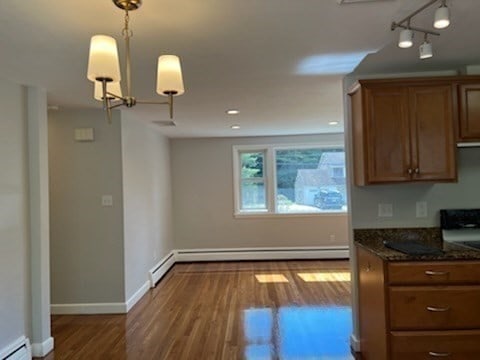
{"points": [[280, 62]]}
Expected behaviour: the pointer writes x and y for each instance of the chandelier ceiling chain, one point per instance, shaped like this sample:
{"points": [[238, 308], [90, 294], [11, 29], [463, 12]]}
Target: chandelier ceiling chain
{"points": [[104, 69]]}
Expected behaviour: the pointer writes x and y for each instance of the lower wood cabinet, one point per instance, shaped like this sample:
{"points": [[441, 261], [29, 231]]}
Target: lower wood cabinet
{"points": [[421, 345], [418, 310]]}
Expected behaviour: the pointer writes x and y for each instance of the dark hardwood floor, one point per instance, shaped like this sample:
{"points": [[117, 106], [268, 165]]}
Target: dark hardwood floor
{"points": [[225, 310]]}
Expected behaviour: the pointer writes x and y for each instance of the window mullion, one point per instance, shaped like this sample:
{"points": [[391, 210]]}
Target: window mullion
{"points": [[271, 186]]}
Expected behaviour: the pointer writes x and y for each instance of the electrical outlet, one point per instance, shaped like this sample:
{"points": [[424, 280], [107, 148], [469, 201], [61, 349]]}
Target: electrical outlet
{"points": [[332, 238], [421, 209], [107, 200], [385, 210]]}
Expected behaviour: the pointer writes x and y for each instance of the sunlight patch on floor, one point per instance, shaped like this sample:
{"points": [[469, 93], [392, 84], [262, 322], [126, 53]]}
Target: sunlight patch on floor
{"points": [[339, 276], [271, 278]]}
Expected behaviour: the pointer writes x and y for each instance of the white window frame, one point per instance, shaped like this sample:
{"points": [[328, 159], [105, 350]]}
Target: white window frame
{"points": [[270, 178]]}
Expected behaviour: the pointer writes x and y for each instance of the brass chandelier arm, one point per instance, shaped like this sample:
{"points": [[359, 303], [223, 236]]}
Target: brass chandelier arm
{"points": [[169, 102], [115, 96], [116, 105]]}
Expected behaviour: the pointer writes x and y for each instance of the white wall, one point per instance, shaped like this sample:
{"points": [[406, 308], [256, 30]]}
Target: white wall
{"points": [[202, 174], [86, 238], [147, 200], [14, 278]]}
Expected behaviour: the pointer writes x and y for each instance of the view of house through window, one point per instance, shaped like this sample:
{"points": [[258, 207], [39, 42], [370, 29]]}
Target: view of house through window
{"points": [[291, 180]]}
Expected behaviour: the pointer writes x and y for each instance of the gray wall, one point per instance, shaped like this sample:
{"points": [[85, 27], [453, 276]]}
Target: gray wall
{"points": [[464, 194], [203, 206], [86, 238], [147, 200], [14, 279]]}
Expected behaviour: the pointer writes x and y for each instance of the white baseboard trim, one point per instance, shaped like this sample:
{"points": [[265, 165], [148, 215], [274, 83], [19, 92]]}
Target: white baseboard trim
{"points": [[20, 348], [84, 309], [42, 349], [354, 343], [138, 295], [276, 253], [161, 268]]}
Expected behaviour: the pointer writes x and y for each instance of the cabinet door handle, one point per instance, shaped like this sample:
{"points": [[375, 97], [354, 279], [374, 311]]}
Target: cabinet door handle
{"points": [[436, 273], [417, 171], [438, 354], [409, 171], [438, 309]]}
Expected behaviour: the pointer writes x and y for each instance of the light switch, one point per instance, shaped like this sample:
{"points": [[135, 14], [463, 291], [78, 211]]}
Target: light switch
{"points": [[107, 200], [84, 134]]}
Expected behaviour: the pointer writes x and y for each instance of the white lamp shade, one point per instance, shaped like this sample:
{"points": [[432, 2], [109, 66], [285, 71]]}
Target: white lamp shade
{"points": [[406, 39], [442, 18], [103, 59], [169, 76], [112, 87], [426, 50]]}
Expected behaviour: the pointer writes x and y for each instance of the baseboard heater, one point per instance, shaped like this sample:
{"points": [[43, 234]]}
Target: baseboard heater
{"points": [[161, 269], [20, 350], [334, 252]]}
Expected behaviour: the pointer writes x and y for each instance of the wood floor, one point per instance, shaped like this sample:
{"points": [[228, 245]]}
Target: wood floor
{"points": [[224, 310]]}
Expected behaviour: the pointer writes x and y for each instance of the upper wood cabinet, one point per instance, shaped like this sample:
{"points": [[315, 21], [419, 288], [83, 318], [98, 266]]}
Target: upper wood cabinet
{"points": [[469, 106], [403, 130]]}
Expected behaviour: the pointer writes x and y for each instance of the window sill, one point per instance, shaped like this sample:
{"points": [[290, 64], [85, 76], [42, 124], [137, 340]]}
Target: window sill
{"points": [[287, 215]]}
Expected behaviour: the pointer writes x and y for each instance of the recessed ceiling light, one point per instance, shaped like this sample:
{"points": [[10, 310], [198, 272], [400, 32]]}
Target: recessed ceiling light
{"points": [[233, 112], [333, 123], [235, 127]]}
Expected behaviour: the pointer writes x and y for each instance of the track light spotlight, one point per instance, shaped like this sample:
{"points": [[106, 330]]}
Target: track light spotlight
{"points": [[426, 50], [442, 17], [406, 39]]}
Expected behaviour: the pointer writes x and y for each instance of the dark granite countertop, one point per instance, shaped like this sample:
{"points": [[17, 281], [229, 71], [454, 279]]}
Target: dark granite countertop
{"points": [[372, 240]]}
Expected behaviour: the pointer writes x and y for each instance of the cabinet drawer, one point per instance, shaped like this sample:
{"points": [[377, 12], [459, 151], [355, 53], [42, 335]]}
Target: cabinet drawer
{"points": [[449, 345], [434, 307], [424, 273]]}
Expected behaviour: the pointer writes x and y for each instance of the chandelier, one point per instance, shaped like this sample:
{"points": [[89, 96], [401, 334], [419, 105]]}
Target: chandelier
{"points": [[104, 69]]}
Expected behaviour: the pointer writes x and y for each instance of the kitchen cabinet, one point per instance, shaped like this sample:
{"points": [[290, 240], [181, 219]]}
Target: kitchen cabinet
{"points": [[418, 309], [403, 131], [469, 111]]}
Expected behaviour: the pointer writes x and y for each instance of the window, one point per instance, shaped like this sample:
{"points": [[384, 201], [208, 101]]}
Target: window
{"points": [[289, 180], [252, 188]]}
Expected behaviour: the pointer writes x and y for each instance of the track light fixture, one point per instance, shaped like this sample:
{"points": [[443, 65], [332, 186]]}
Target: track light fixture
{"points": [[442, 17], [426, 50], [441, 21], [104, 69], [406, 39]]}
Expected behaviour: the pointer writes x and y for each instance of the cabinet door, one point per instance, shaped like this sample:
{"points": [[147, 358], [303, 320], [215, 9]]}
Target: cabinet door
{"points": [[432, 133], [372, 305], [469, 129], [387, 134]]}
